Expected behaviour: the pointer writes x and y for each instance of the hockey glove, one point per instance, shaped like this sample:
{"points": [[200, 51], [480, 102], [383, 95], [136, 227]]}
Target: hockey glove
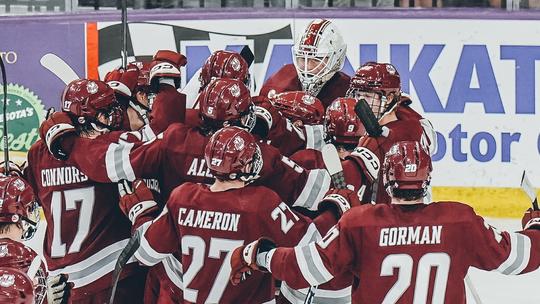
{"points": [[244, 259], [367, 161], [58, 289], [136, 201], [13, 169], [531, 219], [266, 114], [339, 200], [122, 81], [54, 130]]}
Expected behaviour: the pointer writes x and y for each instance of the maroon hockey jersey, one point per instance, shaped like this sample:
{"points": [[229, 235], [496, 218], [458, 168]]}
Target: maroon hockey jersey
{"points": [[400, 130], [206, 226], [286, 80], [177, 156], [86, 231], [408, 254]]}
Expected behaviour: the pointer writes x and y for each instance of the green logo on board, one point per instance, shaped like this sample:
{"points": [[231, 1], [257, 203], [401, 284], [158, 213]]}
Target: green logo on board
{"points": [[24, 114]]}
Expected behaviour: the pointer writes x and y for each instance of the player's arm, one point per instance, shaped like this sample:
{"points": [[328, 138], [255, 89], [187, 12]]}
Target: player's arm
{"points": [[168, 107], [159, 238], [509, 253], [294, 184], [301, 266], [105, 161]]}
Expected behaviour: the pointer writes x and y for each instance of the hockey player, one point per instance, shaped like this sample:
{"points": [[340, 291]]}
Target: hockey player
{"points": [[380, 85], [299, 107], [17, 287], [178, 155], [344, 129], [393, 249], [221, 64], [18, 222], [207, 222], [162, 77], [86, 230], [289, 123], [318, 57]]}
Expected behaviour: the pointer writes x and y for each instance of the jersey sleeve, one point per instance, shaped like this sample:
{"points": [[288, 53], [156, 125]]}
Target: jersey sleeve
{"points": [[509, 253], [295, 185], [159, 239], [168, 107], [289, 138], [114, 161], [315, 263]]}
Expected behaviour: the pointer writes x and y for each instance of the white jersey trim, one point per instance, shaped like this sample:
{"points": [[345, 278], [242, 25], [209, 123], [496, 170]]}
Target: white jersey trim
{"points": [[520, 253], [317, 184], [94, 267], [173, 269]]}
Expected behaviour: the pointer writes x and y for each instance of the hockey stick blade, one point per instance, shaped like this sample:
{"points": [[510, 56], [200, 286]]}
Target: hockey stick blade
{"points": [[58, 67], [333, 166], [528, 188], [247, 54], [370, 122], [122, 260]]}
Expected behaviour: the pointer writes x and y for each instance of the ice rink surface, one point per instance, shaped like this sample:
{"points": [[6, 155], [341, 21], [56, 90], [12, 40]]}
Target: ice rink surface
{"points": [[492, 287]]}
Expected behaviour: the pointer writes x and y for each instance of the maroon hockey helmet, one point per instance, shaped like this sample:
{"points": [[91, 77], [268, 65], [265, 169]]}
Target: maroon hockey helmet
{"points": [[230, 151], [15, 287], [143, 81], [407, 166], [16, 255], [18, 204], [86, 99], [226, 101], [299, 105], [374, 82], [224, 64], [342, 124]]}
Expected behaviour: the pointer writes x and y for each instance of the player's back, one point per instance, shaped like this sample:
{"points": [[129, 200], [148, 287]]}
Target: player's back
{"points": [[211, 225], [86, 231], [413, 254], [183, 157]]}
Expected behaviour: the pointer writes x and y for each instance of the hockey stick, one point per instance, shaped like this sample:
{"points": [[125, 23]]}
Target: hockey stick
{"points": [[333, 166], [247, 54], [373, 129], [528, 188], [129, 250], [368, 119], [58, 67], [5, 135], [123, 53], [472, 289], [122, 260]]}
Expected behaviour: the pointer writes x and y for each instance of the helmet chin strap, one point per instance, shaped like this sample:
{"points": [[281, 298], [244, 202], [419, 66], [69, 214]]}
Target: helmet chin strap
{"points": [[141, 111]]}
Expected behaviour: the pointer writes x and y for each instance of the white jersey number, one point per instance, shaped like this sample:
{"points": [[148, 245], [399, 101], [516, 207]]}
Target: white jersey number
{"points": [[86, 198], [198, 247], [404, 264], [281, 212]]}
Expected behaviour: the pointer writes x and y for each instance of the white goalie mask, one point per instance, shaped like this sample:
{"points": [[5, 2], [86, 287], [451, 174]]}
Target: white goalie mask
{"points": [[318, 55]]}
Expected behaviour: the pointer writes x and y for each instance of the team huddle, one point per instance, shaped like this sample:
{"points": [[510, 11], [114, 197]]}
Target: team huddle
{"points": [[317, 190]]}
